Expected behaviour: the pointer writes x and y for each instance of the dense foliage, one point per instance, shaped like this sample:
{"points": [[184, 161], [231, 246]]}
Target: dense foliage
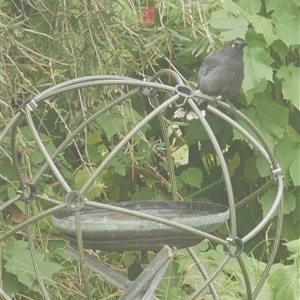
{"points": [[48, 42]]}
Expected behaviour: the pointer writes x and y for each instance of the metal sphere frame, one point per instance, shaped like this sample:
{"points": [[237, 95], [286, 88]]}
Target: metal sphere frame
{"points": [[27, 191]]}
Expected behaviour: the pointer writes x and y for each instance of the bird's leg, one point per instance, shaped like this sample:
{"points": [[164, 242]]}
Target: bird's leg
{"points": [[231, 105]]}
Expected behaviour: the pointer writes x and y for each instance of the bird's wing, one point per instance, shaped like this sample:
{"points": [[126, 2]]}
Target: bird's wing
{"points": [[210, 63]]}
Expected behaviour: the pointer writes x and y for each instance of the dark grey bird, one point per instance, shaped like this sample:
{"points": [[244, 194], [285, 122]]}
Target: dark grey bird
{"points": [[221, 74]]}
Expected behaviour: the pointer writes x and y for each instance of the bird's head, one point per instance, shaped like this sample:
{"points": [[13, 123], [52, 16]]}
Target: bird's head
{"points": [[235, 45], [234, 48]]}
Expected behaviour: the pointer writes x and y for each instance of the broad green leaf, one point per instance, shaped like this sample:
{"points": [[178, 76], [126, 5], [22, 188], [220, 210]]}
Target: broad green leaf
{"points": [[281, 49], [128, 258], [290, 84], [278, 7], [286, 152], [257, 67], [287, 28], [288, 232], [264, 26], [267, 200], [18, 262], [120, 169], [250, 7], [294, 248], [295, 171], [233, 163], [251, 172], [192, 177], [285, 282], [145, 195], [93, 153], [93, 138], [231, 26], [10, 284], [263, 116], [259, 88]]}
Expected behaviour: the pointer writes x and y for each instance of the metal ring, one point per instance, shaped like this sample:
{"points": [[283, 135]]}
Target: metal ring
{"points": [[75, 200], [23, 191], [184, 91], [237, 243]]}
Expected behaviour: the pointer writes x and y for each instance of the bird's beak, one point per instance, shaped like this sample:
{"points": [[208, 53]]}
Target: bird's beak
{"points": [[243, 44]]}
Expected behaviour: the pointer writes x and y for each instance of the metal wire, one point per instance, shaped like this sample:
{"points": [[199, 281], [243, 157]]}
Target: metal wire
{"points": [[25, 113]]}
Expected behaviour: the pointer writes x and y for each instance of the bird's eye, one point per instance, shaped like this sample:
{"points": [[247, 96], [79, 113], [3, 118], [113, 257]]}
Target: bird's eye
{"points": [[233, 45]]}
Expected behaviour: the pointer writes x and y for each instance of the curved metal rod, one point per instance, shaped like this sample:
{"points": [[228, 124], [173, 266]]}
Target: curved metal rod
{"points": [[45, 152], [33, 255], [75, 83], [253, 127], [27, 222], [14, 151], [255, 194], [246, 277], [9, 202], [242, 131], [167, 72], [273, 253], [211, 278], [269, 215], [203, 272], [223, 166], [3, 295], [8, 127], [78, 225], [131, 82]]}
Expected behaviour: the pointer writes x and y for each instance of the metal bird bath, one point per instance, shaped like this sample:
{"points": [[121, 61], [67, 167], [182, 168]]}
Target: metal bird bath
{"points": [[115, 231], [140, 225]]}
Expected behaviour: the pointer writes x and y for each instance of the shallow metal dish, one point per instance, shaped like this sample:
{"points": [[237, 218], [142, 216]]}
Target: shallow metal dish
{"points": [[114, 231]]}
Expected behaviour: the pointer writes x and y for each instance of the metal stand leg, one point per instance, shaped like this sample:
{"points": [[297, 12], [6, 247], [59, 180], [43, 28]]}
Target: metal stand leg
{"points": [[145, 284]]}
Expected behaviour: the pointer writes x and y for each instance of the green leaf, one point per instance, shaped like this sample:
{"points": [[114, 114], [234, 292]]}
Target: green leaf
{"points": [[285, 282], [176, 35], [18, 262], [290, 84], [250, 7], [264, 26], [145, 195], [234, 163], [267, 200], [263, 116], [181, 155], [93, 138], [286, 152], [192, 177], [251, 172], [294, 171], [278, 7], [120, 169], [257, 67], [11, 285], [230, 25], [294, 248], [287, 28], [128, 258]]}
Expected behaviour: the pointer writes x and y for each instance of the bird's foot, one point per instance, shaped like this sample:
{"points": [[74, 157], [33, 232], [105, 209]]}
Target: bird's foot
{"points": [[233, 108], [216, 99]]}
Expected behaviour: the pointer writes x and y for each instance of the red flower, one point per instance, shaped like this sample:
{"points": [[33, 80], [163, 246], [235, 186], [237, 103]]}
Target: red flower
{"points": [[148, 16]]}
